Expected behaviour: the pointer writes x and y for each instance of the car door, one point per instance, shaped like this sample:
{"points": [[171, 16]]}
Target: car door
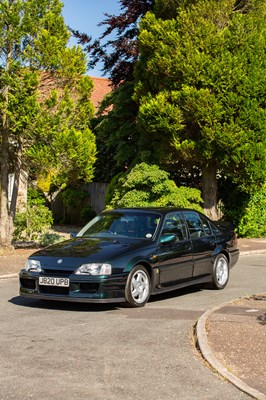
{"points": [[203, 243], [175, 262]]}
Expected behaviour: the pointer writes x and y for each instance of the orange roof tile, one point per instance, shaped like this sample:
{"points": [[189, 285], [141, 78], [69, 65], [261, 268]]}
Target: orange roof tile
{"points": [[102, 86]]}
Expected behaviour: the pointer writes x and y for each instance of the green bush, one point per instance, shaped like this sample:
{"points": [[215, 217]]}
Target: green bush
{"points": [[147, 185], [31, 224], [232, 202], [35, 197], [253, 222], [112, 187], [73, 196]]}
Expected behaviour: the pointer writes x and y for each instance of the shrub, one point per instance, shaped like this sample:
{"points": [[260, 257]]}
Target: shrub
{"points": [[253, 222], [233, 202], [112, 187], [148, 185], [32, 223], [35, 197], [73, 196]]}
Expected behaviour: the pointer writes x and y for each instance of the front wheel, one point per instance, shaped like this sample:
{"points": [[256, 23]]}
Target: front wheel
{"points": [[138, 287], [220, 274]]}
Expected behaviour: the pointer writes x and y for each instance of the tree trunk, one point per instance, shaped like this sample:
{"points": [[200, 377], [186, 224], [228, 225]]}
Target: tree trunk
{"points": [[6, 223], [21, 203], [20, 188], [209, 191]]}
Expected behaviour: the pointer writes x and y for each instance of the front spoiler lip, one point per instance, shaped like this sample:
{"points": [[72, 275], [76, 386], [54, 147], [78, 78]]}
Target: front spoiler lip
{"points": [[72, 299], [116, 295]]}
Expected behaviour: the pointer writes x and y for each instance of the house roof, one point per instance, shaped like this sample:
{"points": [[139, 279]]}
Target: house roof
{"points": [[101, 87]]}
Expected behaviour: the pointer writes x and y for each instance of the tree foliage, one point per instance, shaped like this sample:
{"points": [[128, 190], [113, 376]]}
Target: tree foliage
{"points": [[119, 53], [147, 185], [63, 128], [116, 133], [33, 45], [253, 221], [201, 91], [117, 49]]}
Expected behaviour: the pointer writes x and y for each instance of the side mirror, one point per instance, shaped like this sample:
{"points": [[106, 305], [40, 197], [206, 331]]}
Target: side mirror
{"points": [[73, 235], [167, 238]]}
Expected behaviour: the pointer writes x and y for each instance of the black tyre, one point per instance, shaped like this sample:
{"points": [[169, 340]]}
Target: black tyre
{"points": [[138, 287], [220, 274]]}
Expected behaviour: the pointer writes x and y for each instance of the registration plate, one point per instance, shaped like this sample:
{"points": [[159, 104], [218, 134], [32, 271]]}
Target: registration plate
{"points": [[51, 281]]}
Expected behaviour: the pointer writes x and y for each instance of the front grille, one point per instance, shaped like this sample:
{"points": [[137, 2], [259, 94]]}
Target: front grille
{"points": [[57, 272], [54, 290], [28, 283], [88, 287]]}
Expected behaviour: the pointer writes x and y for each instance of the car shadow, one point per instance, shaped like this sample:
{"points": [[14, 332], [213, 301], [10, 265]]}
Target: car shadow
{"points": [[61, 305], [176, 293], [92, 307]]}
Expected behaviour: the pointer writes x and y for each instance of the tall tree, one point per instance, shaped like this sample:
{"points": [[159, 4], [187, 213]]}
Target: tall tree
{"points": [[117, 49], [34, 39], [202, 90]]}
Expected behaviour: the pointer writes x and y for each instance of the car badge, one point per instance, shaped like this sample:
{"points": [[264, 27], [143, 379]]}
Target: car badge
{"points": [[59, 261]]}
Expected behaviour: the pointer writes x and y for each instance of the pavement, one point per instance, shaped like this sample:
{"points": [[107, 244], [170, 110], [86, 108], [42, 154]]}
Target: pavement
{"points": [[239, 356]]}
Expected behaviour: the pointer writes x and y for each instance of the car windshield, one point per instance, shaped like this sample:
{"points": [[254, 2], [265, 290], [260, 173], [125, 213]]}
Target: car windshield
{"points": [[122, 224]]}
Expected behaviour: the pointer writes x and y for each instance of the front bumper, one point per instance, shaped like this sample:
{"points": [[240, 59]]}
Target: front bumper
{"points": [[81, 288]]}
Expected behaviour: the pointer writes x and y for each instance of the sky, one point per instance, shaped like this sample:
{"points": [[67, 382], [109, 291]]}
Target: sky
{"points": [[85, 15]]}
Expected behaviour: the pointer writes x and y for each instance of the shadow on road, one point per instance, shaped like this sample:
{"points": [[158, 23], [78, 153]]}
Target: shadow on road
{"points": [[176, 293], [60, 305], [91, 307]]}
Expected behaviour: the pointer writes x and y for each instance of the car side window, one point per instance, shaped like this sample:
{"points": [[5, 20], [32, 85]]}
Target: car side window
{"points": [[215, 230], [195, 226], [206, 226], [173, 224]]}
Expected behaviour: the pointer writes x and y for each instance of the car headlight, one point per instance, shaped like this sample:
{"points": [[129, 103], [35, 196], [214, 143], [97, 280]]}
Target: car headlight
{"points": [[33, 265], [94, 269]]}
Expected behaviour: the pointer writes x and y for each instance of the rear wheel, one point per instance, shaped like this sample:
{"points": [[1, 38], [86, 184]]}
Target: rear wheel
{"points": [[220, 274], [138, 287]]}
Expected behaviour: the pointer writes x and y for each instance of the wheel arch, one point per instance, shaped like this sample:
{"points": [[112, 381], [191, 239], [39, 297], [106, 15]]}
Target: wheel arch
{"points": [[139, 261], [146, 265], [226, 254], [220, 250]]}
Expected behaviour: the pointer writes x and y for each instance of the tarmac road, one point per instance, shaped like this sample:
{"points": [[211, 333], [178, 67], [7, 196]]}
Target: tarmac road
{"points": [[72, 351]]}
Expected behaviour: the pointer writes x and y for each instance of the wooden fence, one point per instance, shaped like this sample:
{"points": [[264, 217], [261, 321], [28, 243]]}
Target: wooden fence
{"points": [[71, 215], [97, 192]]}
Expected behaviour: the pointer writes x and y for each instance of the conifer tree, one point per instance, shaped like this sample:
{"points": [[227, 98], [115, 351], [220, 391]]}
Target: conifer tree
{"points": [[201, 92]]}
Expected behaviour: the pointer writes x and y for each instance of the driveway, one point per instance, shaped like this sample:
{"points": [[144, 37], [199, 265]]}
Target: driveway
{"points": [[72, 351]]}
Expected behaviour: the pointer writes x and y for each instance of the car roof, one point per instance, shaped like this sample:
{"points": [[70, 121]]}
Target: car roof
{"points": [[161, 210]]}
